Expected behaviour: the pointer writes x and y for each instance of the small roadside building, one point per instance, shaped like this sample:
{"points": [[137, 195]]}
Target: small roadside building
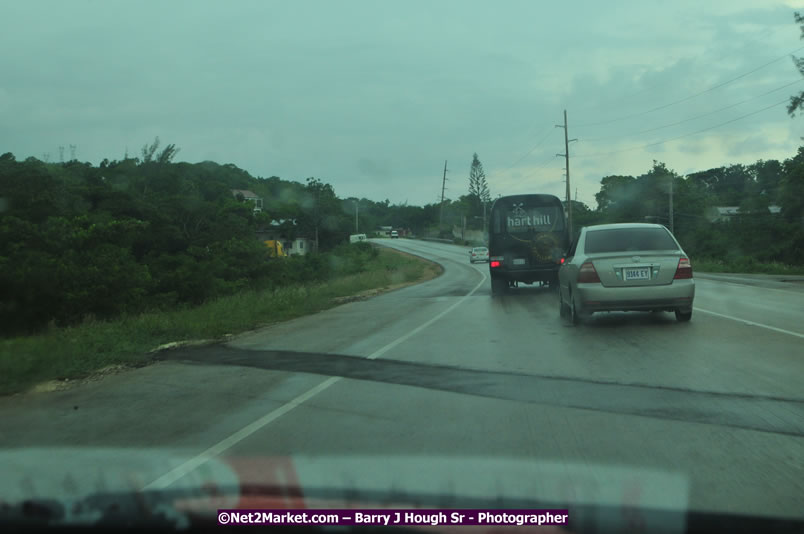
{"points": [[248, 196], [277, 230], [727, 213]]}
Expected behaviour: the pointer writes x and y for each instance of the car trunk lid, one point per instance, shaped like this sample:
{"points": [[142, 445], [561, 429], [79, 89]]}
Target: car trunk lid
{"points": [[636, 269]]}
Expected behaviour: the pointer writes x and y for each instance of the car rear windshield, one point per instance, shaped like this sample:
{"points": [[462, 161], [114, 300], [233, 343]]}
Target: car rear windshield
{"points": [[482, 249], [628, 239]]}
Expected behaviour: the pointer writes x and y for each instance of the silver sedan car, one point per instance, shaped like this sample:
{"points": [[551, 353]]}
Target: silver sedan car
{"points": [[625, 267], [478, 254]]}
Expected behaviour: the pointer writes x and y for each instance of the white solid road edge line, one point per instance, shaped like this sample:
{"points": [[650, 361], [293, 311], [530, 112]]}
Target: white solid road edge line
{"points": [[752, 323], [786, 291], [389, 346], [193, 463]]}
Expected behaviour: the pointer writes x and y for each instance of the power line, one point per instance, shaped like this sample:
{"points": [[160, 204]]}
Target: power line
{"points": [[550, 159], [594, 139], [754, 42], [537, 145], [690, 97], [785, 101], [542, 166]]}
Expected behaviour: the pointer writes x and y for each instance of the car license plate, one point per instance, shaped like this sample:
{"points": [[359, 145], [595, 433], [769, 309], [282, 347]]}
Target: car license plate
{"points": [[642, 273], [519, 261]]}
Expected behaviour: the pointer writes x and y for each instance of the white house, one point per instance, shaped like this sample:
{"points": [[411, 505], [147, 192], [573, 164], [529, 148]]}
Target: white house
{"points": [[249, 196], [725, 213], [293, 247]]}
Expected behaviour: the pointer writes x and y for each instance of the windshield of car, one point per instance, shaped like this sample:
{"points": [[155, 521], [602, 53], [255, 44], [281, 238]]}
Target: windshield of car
{"points": [[628, 239], [233, 243]]}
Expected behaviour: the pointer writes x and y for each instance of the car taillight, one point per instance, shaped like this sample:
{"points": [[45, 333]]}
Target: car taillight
{"points": [[684, 269], [495, 263], [561, 261], [588, 274]]}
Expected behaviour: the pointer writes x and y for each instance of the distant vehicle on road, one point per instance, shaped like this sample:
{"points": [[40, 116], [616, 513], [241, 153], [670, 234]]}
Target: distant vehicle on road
{"points": [[626, 267], [394, 234], [527, 240], [478, 254]]}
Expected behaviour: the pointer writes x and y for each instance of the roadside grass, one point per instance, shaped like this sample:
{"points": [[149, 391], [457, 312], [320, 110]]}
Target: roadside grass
{"points": [[744, 265], [79, 351]]}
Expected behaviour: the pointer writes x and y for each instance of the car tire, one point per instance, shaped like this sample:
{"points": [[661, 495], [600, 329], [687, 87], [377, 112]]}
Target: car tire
{"points": [[683, 316], [498, 286], [563, 309], [573, 315]]}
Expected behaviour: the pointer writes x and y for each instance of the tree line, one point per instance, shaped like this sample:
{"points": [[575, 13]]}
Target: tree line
{"points": [[79, 241], [136, 234], [767, 225]]}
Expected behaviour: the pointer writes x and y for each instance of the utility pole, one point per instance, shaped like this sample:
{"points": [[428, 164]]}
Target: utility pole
{"points": [[356, 212], [317, 200], [567, 141], [485, 231], [670, 218], [443, 186]]}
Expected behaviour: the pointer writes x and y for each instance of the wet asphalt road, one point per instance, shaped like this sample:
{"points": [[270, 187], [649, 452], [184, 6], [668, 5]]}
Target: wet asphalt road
{"points": [[442, 369]]}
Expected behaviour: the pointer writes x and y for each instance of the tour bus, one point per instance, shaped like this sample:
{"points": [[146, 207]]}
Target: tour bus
{"points": [[527, 241]]}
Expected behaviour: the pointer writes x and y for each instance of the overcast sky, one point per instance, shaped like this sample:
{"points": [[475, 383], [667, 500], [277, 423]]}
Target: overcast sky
{"points": [[372, 96]]}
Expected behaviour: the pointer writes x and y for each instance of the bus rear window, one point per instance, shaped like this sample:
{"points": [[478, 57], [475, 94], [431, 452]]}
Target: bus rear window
{"points": [[628, 239]]}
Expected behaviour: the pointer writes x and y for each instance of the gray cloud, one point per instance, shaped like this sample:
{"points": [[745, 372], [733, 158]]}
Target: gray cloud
{"points": [[363, 94]]}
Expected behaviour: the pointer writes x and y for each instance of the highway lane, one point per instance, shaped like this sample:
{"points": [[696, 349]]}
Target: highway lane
{"points": [[442, 369], [710, 353], [765, 302]]}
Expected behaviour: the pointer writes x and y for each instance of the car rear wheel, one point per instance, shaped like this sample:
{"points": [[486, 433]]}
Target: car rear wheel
{"points": [[683, 316], [563, 309], [573, 315]]}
